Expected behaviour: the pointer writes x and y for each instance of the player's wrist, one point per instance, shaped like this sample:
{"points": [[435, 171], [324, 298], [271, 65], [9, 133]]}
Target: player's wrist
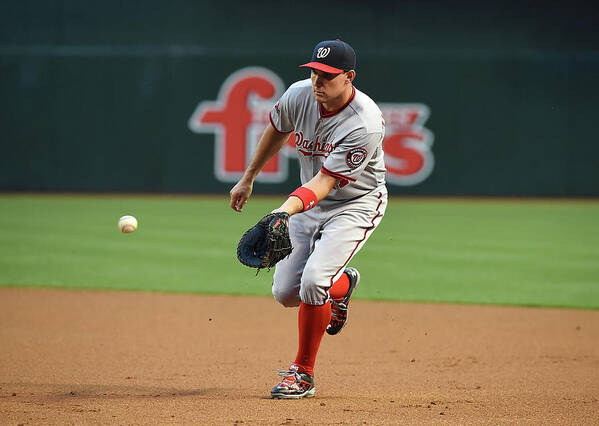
{"points": [[248, 178], [291, 206]]}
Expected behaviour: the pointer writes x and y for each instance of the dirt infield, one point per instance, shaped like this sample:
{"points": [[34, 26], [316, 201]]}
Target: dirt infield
{"points": [[78, 357]]}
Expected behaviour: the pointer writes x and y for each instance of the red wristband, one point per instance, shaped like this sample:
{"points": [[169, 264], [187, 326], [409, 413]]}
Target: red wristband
{"points": [[307, 196]]}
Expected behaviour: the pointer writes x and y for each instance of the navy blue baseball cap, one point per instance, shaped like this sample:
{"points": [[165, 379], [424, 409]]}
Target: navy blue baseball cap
{"points": [[332, 56]]}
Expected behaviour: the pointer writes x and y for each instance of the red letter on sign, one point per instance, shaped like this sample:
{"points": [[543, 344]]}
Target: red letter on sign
{"points": [[408, 157], [236, 119]]}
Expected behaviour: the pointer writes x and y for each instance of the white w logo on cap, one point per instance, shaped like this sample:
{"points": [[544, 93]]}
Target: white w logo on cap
{"points": [[323, 52]]}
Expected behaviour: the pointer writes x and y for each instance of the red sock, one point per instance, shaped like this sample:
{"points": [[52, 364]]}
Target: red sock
{"points": [[312, 323], [339, 288]]}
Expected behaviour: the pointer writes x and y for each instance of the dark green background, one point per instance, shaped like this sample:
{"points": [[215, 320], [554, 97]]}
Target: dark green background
{"points": [[96, 96]]}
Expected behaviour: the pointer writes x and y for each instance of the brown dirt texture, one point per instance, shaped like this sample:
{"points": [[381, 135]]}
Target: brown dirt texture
{"points": [[90, 357]]}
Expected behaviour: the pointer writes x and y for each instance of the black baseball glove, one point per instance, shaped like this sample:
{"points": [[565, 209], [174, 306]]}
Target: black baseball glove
{"points": [[266, 243]]}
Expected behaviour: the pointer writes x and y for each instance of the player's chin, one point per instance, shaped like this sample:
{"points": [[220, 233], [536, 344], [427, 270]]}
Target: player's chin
{"points": [[320, 96]]}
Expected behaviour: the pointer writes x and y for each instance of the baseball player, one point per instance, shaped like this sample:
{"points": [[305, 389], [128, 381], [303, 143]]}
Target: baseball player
{"points": [[338, 138]]}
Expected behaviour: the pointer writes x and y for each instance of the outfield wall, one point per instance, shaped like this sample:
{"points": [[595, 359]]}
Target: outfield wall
{"points": [[494, 99]]}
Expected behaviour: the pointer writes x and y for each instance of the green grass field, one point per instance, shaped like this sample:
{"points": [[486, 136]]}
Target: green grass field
{"points": [[521, 252]]}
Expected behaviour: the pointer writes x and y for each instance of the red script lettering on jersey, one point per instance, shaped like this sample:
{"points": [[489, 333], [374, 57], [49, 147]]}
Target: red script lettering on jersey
{"points": [[313, 148]]}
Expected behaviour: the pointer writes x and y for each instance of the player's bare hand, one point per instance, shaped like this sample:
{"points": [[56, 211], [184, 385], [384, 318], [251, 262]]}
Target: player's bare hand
{"points": [[240, 194]]}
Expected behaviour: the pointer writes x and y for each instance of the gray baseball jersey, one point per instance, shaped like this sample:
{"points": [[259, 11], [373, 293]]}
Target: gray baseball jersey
{"points": [[346, 144]]}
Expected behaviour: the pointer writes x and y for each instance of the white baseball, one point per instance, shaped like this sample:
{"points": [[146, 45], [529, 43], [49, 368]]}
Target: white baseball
{"points": [[127, 224]]}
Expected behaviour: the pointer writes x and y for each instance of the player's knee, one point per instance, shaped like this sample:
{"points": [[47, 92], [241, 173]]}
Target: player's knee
{"points": [[313, 288], [287, 297]]}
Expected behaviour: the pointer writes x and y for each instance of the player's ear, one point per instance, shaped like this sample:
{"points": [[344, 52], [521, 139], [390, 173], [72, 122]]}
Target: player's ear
{"points": [[351, 74]]}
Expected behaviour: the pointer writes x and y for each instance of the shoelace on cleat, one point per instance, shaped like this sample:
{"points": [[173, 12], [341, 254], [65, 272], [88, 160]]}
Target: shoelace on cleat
{"points": [[338, 309], [290, 377]]}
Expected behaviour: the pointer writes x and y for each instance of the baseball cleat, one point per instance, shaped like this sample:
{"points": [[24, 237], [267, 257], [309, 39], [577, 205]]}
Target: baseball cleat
{"points": [[339, 308], [294, 385]]}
